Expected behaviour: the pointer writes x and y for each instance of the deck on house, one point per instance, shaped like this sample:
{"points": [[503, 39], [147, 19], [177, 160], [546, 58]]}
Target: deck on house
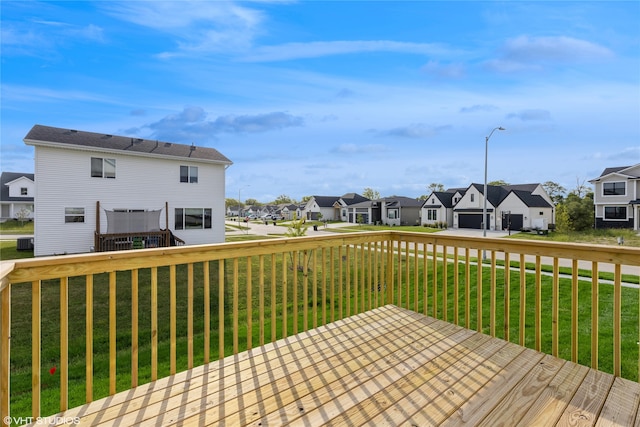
{"points": [[388, 366]]}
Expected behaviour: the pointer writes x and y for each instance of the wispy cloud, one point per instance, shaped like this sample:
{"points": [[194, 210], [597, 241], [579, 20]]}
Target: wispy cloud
{"points": [[351, 148], [449, 71], [531, 115], [414, 131], [290, 51], [198, 26], [479, 108], [530, 53]]}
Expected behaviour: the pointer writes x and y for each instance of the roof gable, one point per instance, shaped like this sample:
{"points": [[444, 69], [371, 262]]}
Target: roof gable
{"points": [[68, 138]]}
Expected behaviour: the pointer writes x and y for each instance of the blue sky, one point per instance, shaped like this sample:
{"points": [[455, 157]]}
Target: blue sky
{"points": [[327, 97]]}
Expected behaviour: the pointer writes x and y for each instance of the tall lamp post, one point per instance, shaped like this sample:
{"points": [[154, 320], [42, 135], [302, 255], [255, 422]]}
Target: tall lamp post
{"points": [[484, 208], [239, 203]]}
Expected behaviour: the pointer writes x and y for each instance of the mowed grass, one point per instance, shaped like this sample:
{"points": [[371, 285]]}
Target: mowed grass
{"points": [[255, 302]]}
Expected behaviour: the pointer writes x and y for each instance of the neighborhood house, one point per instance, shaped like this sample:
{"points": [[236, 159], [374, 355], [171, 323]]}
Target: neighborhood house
{"points": [[92, 185], [616, 197], [16, 195]]}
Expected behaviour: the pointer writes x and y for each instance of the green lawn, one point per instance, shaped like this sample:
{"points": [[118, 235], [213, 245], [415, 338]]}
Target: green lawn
{"points": [[16, 227]]}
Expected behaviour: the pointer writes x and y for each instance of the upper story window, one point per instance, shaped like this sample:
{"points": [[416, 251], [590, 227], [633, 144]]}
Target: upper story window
{"points": [[614, 188], [103, 168], [24, 191], [472, 198], [189, 174]]}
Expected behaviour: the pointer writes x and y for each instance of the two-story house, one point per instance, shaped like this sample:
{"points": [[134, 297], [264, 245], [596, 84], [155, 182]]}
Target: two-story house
{"points": [[92, 183], [616, 197], [511, 207], [16, 195]]}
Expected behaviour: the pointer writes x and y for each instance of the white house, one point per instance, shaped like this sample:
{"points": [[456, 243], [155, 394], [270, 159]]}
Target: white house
{"points": [[508, 207], [617, 197], [16, 195], [84, 176]]}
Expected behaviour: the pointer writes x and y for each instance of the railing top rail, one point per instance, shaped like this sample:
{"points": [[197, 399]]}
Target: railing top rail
{"points": [[52, 267], [44, 268], [581, 251]]}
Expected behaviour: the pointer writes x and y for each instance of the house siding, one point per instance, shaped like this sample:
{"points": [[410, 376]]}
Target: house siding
{"points": [[64, 180]]}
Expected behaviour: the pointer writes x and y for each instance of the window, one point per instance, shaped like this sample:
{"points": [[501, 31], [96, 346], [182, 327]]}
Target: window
{"points": [[24, 191], [189, 174], [103, 168], [615, 212], [192, 218], [472, 197], [73, 215], [392, 214], [432, 214], [613, 188]]}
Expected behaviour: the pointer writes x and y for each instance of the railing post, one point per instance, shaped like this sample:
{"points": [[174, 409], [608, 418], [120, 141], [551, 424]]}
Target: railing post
{"points": [[5, 341]]}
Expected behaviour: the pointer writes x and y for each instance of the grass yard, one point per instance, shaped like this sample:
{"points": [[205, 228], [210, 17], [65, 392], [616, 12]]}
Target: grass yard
{"points": [[598, 237], [351, 296], [13, 226]]}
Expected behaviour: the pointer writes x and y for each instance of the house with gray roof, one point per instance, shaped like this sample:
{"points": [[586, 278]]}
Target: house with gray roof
{"points": [[394, 210], [616, 197], [16, 195], [513, 207], [93, 183], [332, 208]]}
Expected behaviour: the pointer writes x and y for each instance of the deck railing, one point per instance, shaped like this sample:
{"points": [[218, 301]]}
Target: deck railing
{"points": [[77, 328]]}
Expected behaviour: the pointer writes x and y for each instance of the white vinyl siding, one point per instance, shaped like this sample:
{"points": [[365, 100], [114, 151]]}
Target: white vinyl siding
{"points": [[142, 182]]}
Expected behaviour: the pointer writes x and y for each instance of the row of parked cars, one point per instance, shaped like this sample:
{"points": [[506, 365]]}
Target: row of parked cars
{"points": [[265, 217]]}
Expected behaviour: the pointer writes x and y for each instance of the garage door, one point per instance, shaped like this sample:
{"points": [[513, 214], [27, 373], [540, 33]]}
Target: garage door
{"points": [[470, 221], [516, 221]]}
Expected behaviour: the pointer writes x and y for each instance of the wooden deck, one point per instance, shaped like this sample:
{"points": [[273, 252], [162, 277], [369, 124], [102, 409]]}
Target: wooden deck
{"points": [[388, 366]]}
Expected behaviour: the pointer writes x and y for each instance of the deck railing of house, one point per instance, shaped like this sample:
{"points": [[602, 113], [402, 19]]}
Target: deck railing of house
{"points": [[77, 328], [140, 240]]}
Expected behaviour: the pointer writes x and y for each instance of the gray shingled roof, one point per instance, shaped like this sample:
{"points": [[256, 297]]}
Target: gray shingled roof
{"points": [[7, 177], [45, 134]]}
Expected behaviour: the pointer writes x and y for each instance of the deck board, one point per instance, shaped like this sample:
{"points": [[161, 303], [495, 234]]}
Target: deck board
{"points": [[388, 366]]}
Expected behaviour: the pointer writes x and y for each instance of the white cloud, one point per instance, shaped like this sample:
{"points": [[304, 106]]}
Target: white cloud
{"points": [[533, 53], [289, 51]]}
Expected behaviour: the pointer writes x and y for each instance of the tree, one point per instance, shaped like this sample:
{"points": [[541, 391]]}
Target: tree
{"points": [[580, 211], [22, 215], [581, 189], [283, 198], [305, 199], [297, 227], [252, 202], [435, 186], [563, 222], [371, 194], [498, 182], [555, 191]]}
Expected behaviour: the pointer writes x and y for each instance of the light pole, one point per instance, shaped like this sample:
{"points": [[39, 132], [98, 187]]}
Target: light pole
{"points": [[239, 203], [484, 207]]}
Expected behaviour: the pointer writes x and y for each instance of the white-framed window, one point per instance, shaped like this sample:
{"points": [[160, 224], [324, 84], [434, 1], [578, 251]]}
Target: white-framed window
{"points": [[192, 218], [73, 215], [103, 168], [189, 174], [615, 212], [614, 188], [392, 214]]}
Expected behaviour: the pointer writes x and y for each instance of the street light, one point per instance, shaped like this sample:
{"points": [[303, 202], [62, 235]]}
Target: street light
{"points": [[484, 208], [239, 203]]}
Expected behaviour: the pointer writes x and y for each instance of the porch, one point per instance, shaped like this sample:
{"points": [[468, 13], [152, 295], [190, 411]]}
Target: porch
{"points": [[365, 328]]}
